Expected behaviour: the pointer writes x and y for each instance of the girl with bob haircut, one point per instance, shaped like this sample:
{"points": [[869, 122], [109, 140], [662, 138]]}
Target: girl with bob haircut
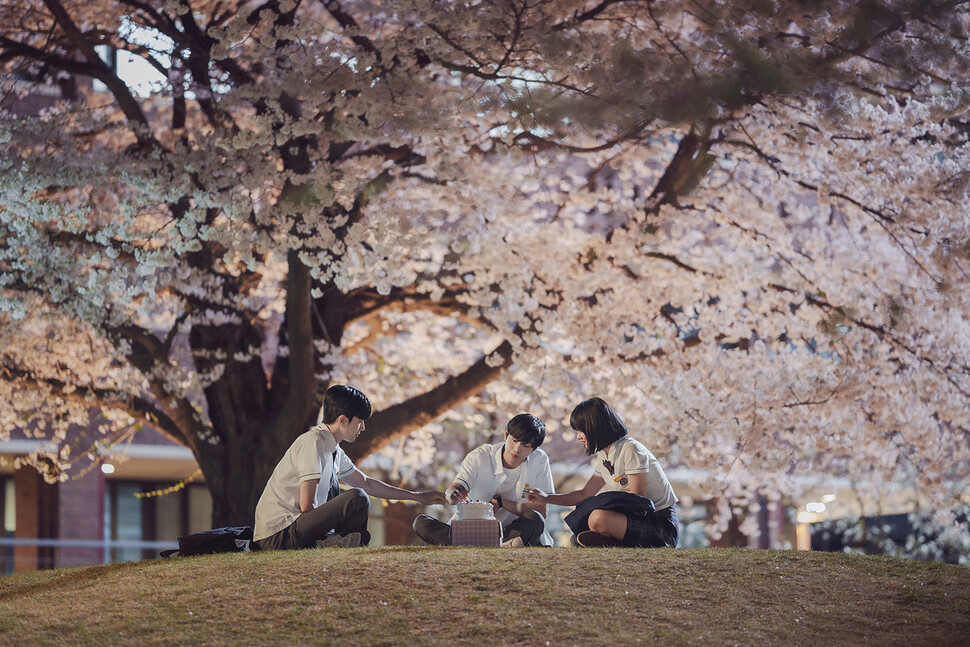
{"points": [[628, 500]]}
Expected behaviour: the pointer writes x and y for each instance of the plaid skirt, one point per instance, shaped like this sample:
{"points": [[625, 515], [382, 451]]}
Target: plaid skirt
{"points": [[655, 530], [645, 526]]}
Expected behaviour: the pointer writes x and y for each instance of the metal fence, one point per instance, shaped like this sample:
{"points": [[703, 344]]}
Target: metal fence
{"points": [[30, 554]]}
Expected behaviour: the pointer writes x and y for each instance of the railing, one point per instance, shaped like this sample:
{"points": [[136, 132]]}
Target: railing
{"points": [[63, 553]]}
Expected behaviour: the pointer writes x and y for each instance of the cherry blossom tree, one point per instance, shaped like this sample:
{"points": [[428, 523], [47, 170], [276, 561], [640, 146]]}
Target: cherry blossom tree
{"points": [[743, 223]]}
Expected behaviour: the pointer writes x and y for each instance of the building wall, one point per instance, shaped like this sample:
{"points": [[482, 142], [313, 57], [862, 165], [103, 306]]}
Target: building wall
{"points": [[81, 517], [37, 506], [74, 511]]}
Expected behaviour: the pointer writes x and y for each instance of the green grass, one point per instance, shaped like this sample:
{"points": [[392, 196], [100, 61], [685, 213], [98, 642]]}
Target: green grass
{"points": [[484, 597]]}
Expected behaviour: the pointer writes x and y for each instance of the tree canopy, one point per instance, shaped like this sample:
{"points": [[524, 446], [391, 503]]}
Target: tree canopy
{"points": [[742, 223]]}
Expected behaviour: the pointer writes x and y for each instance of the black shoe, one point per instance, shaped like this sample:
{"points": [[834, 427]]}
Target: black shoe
{"points": [[591, 539], [336, 540]]}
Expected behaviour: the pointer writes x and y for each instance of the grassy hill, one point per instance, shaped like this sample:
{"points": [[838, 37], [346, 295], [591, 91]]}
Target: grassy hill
{"points": [[469, 596]]}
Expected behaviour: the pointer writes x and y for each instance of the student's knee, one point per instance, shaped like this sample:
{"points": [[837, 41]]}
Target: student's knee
{"points": [[358, 499], [427, 529], [420, 523], [597, 521], [534, 519]]}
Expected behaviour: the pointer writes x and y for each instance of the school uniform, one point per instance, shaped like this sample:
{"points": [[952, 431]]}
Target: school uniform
{"points": [[651, 520], [484, 476], [279, 521]]}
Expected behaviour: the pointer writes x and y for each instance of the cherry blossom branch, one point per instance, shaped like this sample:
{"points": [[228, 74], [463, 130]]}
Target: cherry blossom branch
{"points": [[135, 406], [879, 217], [126, 101], [594, 12], [348, 22], [366, 302], [881, 332], [660, 28]]}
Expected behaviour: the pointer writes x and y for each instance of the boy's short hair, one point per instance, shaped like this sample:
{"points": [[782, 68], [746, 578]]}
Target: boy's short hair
{"points": [[599, 423], [527, 429], [341, 400]]}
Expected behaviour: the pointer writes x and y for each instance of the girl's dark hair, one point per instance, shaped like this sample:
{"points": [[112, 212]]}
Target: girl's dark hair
{"points": [[527, 429], [340, 400], [598, 422]]}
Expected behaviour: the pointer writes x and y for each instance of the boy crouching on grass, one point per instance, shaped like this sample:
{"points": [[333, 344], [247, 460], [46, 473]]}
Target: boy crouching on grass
{"points": [[302, 506], [500, 473]]}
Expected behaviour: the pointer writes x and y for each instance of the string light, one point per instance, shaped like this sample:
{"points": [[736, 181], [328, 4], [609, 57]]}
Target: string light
{"points": [[169, 490]]}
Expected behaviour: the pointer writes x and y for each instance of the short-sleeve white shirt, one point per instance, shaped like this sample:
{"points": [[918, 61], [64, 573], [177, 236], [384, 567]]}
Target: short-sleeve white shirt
{"points": [[629, 456], [311, 456], [484, 476]]}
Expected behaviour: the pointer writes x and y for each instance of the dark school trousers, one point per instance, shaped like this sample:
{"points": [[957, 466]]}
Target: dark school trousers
{"points": [[346, 512]]}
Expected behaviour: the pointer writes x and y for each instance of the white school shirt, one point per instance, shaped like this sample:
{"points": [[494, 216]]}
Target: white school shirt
{"points": [[311, 456], [484, 476], [629, 456]]}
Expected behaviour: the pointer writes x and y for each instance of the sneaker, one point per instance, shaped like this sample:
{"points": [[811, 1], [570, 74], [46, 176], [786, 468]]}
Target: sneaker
{"points": [[336, 540], [515, 542], [591, 539]]}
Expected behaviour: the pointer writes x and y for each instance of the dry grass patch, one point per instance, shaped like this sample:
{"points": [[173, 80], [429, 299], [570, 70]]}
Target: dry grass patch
{"points": [[466, 596]]}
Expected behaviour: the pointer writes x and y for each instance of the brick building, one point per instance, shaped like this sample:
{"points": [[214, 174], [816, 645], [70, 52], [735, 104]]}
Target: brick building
{"points": [[150, 493], [101, 513]]}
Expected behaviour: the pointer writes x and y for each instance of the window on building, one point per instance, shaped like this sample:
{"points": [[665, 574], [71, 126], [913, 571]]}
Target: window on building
{"points": [[162, 518]]}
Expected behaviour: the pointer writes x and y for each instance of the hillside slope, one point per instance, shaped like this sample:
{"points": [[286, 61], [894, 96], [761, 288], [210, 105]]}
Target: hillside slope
{"points": [[467, 596]]}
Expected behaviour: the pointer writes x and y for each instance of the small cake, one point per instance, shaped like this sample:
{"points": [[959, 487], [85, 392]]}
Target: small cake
{"points": [[474, 510]]}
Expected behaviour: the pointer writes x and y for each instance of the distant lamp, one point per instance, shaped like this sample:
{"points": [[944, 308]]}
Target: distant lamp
{"points": [[828, 498], [816, 507], [107, 468], [807, 517]]}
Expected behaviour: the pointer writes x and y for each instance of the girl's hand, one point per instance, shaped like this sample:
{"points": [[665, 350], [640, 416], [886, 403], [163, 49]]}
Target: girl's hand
{"points": [[535, 495]]}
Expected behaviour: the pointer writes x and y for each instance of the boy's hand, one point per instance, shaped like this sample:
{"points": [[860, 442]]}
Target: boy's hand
{"points": [[458, 494], [432, 497]]}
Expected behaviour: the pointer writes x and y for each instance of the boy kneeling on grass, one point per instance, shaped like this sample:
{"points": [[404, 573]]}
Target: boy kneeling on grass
{"points": [[501, 473], [302, 506]]}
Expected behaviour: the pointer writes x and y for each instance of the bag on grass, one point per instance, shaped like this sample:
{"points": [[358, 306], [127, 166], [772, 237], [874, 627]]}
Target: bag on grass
{"points": [[232, 539]]}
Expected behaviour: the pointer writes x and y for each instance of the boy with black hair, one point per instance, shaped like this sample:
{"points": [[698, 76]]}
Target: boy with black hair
{"points": [[302, 506], [628, 500], [500, 473]]}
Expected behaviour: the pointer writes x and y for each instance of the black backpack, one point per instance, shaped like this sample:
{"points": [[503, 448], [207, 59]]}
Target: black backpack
{"points": [[233, 539]]}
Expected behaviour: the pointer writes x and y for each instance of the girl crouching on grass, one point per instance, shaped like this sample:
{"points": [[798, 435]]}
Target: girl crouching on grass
{"points": [[635, 505]]}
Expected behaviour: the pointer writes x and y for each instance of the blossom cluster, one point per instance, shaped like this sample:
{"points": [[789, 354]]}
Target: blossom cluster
{"points": [[396, 191]]}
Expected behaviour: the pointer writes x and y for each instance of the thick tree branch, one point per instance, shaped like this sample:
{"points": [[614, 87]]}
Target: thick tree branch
{"points": [[401, 419], [366, 302]]}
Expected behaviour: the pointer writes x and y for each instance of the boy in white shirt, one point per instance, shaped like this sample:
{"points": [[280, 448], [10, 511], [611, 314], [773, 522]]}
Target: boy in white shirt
{"points": [[500, 473], [302, 506]]}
